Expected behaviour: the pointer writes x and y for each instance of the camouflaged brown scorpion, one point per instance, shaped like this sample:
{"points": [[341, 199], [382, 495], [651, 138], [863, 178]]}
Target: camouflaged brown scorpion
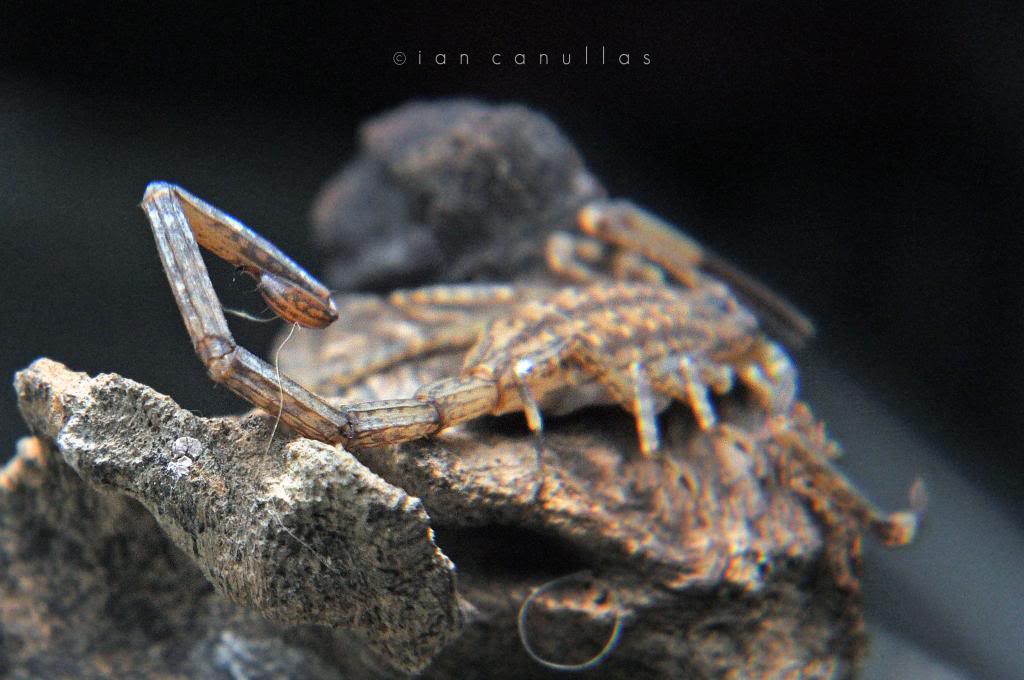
{"points": [[629, 337]]}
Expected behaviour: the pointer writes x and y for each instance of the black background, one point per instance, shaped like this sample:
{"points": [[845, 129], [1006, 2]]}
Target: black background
{"points": [[865, 160]]}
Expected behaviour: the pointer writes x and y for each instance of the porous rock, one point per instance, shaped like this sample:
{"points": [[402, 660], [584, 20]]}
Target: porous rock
{"points": [[91, 587], [445, 190], [298, 531], [716, 564]]}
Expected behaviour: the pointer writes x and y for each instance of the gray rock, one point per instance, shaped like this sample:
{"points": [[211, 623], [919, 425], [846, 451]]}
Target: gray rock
{"points": [[299, 531], [730, 577], [448, 190]]}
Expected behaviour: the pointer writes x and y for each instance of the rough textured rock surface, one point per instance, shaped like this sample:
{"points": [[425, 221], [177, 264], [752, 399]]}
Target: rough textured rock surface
{"points": [[299, 531], [137, 538], [444, 191], [92, 588], [718, 569]]}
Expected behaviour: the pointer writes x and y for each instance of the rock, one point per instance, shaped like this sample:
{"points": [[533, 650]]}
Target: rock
{"points": [[446, 190], [297, 531], [727, 575]]}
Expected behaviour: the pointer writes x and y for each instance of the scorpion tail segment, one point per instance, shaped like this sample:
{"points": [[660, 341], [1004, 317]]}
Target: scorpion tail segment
{"points": [[391, 421], [435, 406], [296, 304], [259, 383], [457, 400], [290, 291]]}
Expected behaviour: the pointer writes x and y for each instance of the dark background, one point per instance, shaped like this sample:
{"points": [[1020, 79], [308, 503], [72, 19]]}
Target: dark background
{"points": [[864, 160]]}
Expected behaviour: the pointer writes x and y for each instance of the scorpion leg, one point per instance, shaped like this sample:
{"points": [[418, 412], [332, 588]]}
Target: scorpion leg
{"points": [[770, 375], [343, 367], [625, 225], [446, 318], [629, 387], [575, 257], [440, 318], [644, 406], [630, 266], [179, 220], [832, 494], [464, 305], [681, 378], [456, 295], [531, 409]]}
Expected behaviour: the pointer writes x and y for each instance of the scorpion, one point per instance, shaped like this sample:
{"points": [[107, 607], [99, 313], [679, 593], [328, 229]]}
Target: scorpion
{"points": [[650, 317], [636, 340]]}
